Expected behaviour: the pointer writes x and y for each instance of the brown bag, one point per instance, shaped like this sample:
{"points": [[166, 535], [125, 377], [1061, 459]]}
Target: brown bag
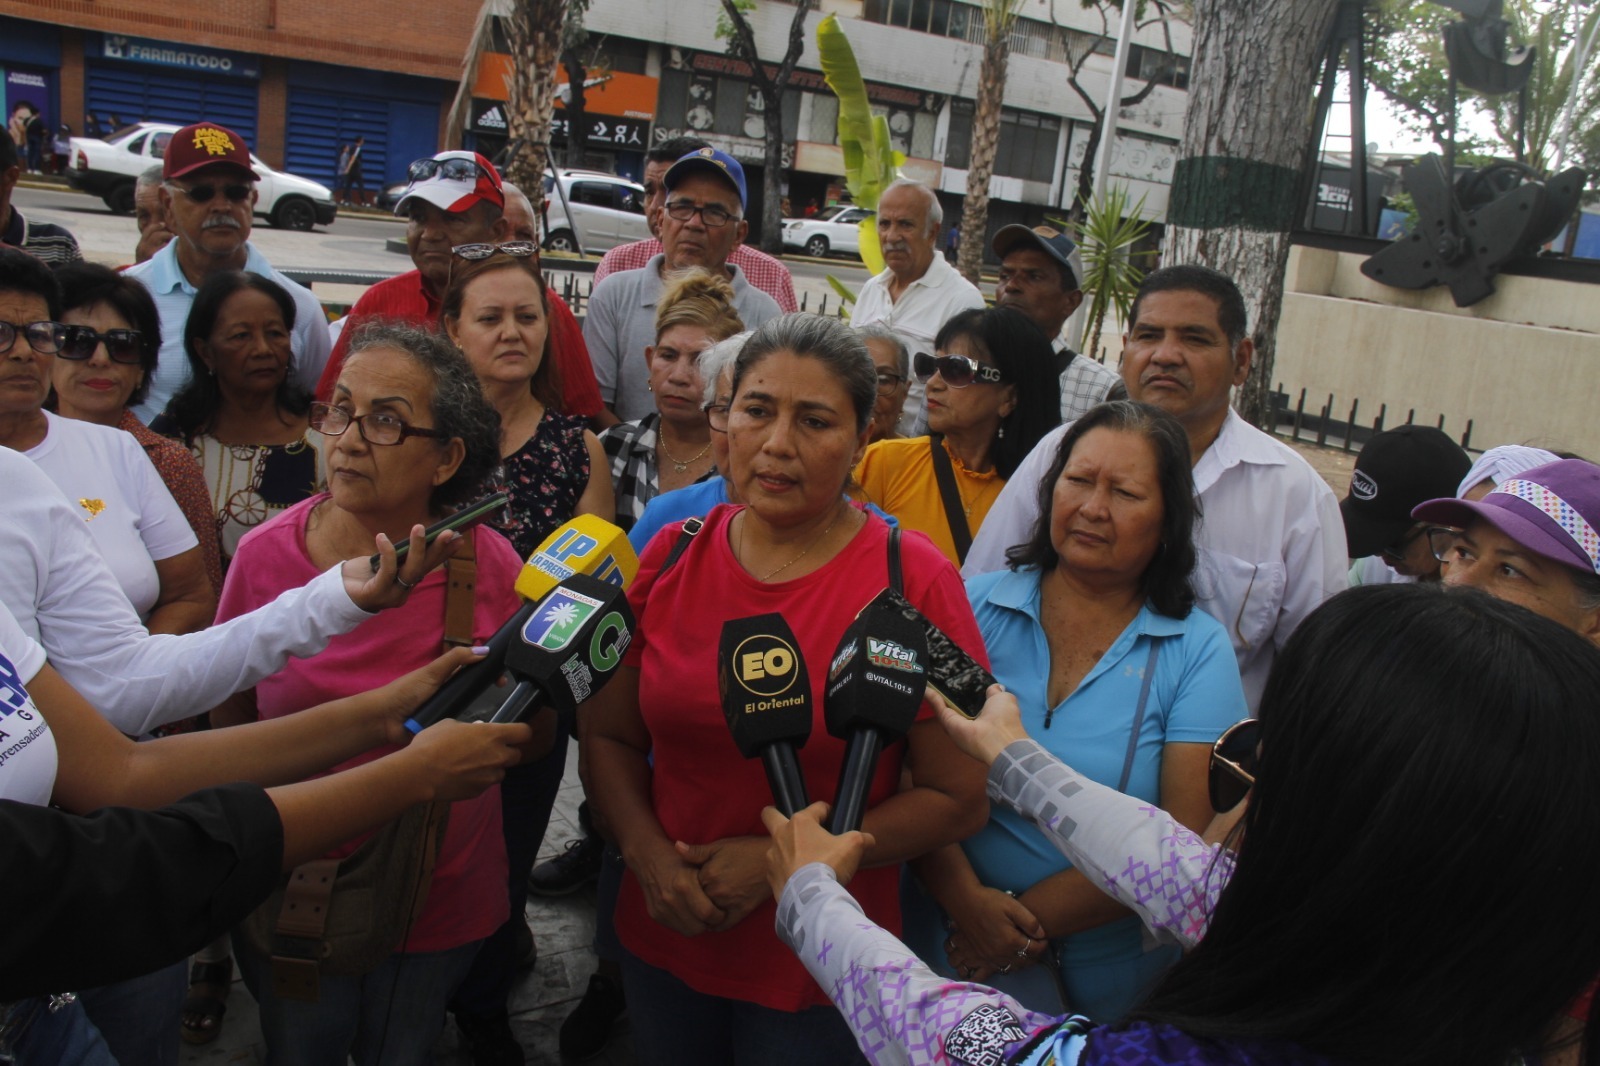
{"points": [[344, 917]]}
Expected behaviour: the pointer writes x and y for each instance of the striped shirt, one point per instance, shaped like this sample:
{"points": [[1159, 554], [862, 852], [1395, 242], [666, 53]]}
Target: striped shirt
{"points": [[44, 240]]}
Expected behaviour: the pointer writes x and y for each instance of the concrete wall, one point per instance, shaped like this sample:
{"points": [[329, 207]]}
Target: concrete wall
{"points": [[1524, 364]]}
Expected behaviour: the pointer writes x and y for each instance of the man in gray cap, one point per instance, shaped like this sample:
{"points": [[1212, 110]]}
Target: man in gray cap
{"points": [[1040, 274]]}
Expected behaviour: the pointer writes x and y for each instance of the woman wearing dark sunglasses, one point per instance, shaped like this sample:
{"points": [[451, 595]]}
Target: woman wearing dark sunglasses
{"points": [[104, 368], [1412, 883], [136, 524], [1093, 629], [990, 392]]}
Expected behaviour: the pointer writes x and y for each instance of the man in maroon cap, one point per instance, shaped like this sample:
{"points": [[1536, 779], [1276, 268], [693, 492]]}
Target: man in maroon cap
{"points": [[453, 198], [209, 196]]}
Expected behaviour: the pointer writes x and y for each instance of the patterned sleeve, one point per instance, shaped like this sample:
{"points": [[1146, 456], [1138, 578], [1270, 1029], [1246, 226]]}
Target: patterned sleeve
{"points": [[1134, 852], [901, 1012]]}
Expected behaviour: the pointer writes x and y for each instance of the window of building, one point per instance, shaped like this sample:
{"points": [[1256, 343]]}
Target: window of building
{"points": [[1163, 68]]}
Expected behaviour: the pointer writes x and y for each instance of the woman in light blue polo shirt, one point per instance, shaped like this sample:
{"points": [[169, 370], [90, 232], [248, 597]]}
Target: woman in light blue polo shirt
{"points": [[1093, 629]]}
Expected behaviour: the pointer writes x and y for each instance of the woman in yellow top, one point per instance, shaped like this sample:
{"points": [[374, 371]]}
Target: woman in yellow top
{"points": [[993, 392]]}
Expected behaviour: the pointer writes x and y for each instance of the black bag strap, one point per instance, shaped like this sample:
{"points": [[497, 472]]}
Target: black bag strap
{"points": [[691, 526], [896, 580], [954, 512]]}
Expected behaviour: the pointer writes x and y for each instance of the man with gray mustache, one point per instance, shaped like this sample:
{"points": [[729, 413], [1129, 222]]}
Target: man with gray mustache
{"points": [[208, 195], [917, 292]]}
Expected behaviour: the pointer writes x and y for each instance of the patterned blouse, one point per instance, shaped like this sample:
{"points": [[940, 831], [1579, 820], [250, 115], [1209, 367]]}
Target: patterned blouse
{"points": [[631, 448], [183, 478], [546, 477]]}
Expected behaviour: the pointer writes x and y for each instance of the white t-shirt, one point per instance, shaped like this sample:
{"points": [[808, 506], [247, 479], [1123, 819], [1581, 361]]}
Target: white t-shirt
{"points": [[57, 587], [105, 474], [27, 747]]}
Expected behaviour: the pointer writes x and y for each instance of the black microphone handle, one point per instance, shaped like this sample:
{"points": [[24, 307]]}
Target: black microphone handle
{"points": [[784, 778], [525, 699], [855, 780], [467, 684]]}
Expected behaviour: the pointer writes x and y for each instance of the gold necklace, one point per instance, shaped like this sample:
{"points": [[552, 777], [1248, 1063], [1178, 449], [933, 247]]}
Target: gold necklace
{"points": [[770, 575], [677, 465]]}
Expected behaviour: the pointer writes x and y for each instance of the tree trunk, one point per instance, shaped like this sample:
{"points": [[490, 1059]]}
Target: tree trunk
{"points": [[577, 123], [535, 31], [1246, 141], [985, 141], [771, 178]]}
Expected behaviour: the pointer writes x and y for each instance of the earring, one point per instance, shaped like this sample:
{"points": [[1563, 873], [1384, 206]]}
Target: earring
{"points": [[1001, 435]]}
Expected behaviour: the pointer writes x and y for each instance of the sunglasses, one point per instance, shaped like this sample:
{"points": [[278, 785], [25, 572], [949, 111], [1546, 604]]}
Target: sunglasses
{"points": [[43, 337], [204, 194], [449, 169], [958, 371], [80, 342], [1232, 770], [483, 250]]}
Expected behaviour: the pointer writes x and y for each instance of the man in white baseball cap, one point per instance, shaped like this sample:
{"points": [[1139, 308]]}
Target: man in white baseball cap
{"points": [[453, 198]]}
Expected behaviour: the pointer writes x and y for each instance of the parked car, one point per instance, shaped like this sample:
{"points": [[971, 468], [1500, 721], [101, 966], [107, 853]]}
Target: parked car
{"points": [[109, 168], [608, 211], [832, 230]]}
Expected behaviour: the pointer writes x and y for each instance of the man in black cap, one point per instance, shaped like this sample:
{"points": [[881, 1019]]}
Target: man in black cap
{"points": [[1398, 469], [1040, 274]]}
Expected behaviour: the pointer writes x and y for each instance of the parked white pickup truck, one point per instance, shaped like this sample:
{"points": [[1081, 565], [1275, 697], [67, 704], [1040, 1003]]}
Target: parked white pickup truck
{"points": [[108, 168]]}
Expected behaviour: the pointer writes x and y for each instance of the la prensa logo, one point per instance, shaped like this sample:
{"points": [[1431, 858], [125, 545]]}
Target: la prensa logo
{"points": [[1362, 487]]}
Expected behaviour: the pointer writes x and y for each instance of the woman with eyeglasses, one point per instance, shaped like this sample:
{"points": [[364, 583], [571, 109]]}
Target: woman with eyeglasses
{"points": [[704, 978], [892, 360], [243, 414], [671, 448], [104, 368], [1409, 884], [137, 525], [992, 393], [1093, 628], [410, 439]]}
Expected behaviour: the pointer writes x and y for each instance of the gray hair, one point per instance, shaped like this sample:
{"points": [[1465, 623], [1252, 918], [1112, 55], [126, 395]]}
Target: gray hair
{"points": [[458, 407], [1586, 588], [935, 209], [149, 178], [880, 332], [719, 359], [820, 337]]}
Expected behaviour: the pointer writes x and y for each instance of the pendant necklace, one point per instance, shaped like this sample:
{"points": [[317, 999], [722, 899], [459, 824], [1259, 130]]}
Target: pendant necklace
{"points": [[679, 466]]}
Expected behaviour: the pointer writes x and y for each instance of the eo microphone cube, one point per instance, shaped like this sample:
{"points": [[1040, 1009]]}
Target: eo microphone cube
{"points": [[766, 699]]}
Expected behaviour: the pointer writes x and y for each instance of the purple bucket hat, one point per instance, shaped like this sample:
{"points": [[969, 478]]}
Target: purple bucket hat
{"points": [[1551, 510]]}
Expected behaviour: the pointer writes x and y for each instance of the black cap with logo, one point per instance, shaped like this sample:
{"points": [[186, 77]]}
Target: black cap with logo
{"points": [[1398, 469]]}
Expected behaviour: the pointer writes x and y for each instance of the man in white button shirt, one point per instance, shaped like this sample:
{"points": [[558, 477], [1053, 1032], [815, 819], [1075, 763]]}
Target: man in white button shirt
{"points": [[917, 292], [1040, 275], [1270, 539]]}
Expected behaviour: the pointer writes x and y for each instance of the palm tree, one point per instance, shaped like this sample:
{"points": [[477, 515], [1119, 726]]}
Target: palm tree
{"points": [[998, 18], [534, 29]]}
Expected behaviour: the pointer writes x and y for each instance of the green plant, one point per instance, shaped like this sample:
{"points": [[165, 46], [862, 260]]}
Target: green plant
{"points": [[1106, 237], [870, 163]]}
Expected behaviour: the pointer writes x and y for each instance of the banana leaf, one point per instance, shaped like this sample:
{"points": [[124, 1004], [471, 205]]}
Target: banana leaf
{"points": [[870, 163], [842, 289]]}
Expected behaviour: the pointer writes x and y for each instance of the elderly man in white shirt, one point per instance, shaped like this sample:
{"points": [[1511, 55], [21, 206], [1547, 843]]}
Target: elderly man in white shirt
{"points": [[917, 292], [1270, 538]]}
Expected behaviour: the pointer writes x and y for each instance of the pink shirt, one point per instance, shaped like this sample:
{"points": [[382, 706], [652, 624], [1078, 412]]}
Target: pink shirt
{"points": [[467, 897]]}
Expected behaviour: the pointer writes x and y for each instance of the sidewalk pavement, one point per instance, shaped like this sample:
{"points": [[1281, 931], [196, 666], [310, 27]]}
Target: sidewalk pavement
{"points": [[541, 999]]}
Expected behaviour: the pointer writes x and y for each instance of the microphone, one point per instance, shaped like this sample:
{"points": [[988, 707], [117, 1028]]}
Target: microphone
{"points": [[875, 687], [582, 545], [568, 649], [766, 698]]}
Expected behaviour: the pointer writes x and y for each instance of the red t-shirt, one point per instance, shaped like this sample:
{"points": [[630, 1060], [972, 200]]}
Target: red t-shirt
{"points": [[467, 898], [701, 788], [403, 298]]}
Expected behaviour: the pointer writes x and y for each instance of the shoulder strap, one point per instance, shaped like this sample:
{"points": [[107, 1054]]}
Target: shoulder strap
{"points": [[954, 513], [691, 526], [896, 579], [460, 585], [1138, 714]]}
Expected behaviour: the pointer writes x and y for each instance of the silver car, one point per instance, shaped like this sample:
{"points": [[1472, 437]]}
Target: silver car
{"points": [[605, 211]]}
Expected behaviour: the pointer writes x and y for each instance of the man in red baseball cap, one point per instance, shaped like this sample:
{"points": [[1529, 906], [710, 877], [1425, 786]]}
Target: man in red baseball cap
{"points": [[453, 198]]}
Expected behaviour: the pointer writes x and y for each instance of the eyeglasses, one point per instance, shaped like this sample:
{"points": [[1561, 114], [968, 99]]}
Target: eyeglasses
{"points": [[717, 415], [888, 382], [204, 194], [712, 215], [376, 427], [484, 249], [1397, 550], [43, 337], [1232, 771], [958, 371], [1442, 540], [80, 342], [449, 169]]}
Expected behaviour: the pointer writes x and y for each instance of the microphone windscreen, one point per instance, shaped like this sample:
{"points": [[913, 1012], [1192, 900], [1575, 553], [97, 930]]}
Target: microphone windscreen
{"points": [[766, 692], [582, 545], [878, 675], [574, 641]]}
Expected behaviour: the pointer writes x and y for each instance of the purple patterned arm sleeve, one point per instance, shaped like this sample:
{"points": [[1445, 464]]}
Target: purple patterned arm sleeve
{"points": [[902, 1013], [1135, 852]]}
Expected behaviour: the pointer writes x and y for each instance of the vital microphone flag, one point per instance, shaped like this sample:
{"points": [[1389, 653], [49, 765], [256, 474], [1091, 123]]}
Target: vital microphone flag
{"points": [[569, 648], [875, 687], [582, 545], [766, 698]]}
